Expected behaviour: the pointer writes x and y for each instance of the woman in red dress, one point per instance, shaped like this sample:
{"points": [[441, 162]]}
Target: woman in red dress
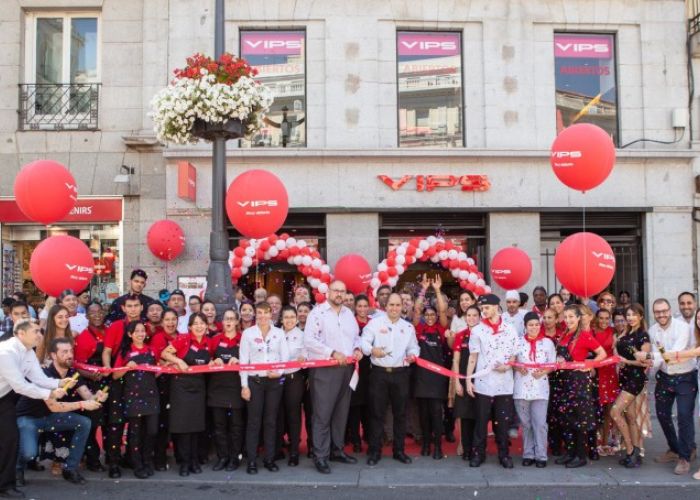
{"points": [[608, 385]]}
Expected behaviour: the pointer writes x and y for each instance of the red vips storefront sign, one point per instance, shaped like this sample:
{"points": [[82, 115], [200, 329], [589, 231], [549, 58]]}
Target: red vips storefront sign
{"points": [[186, 181], [85, 210], [431, 182]]}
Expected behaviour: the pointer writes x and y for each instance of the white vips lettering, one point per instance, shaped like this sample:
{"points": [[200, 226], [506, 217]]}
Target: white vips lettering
{"points": [[598, 48], [274, 44], [427, 45], [257, 203]]}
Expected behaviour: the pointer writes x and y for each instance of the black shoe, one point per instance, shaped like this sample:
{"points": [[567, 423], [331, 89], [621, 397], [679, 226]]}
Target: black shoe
{"points": [[373, 459], [540, 464], [252, 468], [141, 473], [150, 470], [576, 463], [233, 464], [322, 466], [35, 465], [195, 468], [280, 455], [73, 476], [564, 459], [527, 462], [402, 457], [11, 493], [19, 479], [437, 452], [114, 472], [506, 462], [476, 461], [97, 467], [342, 457], [425, 449], [220, 464], [450, 437], [271, 466], [293, 460], [184, 470]]}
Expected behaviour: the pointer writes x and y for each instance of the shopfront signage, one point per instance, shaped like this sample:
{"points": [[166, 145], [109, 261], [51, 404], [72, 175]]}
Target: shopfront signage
{"points": [[272, 43], [591, 47], [428, 44], [431, 182], [85, 210], [186, 181]]}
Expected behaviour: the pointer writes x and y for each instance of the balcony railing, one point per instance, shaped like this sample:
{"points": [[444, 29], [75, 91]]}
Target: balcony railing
{"points": [[59, 106], [693, 9]]}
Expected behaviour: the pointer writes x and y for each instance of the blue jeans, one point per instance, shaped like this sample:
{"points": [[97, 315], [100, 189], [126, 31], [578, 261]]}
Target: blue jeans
{"points": [[30, 427], [683, 389]]}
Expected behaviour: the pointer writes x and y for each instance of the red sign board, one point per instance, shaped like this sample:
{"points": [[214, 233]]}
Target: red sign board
{"points": [[186, 181], [85, 210], [430, 182]]}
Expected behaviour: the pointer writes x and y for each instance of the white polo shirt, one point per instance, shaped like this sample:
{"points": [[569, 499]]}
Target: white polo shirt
{"points": [[493, 348], [398, 339], [526, 386]]}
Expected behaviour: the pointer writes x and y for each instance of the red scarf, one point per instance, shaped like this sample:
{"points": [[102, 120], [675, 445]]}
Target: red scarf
{"points": [[494, 326], [533, 344]]}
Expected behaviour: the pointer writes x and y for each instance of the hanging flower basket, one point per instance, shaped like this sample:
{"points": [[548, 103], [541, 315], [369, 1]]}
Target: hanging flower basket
{"points": [[209, 99]]}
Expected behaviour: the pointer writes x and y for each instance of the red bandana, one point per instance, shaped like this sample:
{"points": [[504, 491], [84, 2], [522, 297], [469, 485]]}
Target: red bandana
{"points": [[533, 344], [494, 326]]}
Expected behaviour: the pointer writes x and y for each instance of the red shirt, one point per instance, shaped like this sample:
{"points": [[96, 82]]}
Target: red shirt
{"points": [[606, 338], [422, 330], [160, 341], [86, 343], [215, 329], [152, 331], [584, 344], [114, 334], [223, 340], [559, 333], [134, 351], [183, 343], [460, 338]]}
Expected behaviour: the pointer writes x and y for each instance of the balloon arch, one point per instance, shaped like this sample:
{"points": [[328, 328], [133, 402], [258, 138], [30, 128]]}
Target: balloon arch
{"points": [[251, 252]]}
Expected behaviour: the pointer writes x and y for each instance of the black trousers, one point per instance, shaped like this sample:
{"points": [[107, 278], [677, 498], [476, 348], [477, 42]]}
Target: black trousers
{"points": [[500, 408], [163, 435], [358, 415], [92, 447], [467, 426], [186, 447], [141, 440], [265, 397], [289, 414], [448, 419], [384, 388], [308, 412], [431, 423], [575, 441], [113, 443], [9, 442], [228, 432]]}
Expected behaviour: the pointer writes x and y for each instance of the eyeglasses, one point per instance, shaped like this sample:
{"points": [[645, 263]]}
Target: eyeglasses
{"points": [[606, 301], [662, 311]]}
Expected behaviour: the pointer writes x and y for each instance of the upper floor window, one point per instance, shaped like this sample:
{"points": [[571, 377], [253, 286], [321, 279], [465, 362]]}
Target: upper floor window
{"points": [[280, 58], [62, 71], [586, 84], [430, 89]]}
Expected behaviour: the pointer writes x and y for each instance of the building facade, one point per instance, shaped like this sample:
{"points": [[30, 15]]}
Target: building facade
{"points": [[391, 120]]}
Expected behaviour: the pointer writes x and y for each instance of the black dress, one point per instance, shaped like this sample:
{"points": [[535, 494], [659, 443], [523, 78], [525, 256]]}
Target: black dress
{"points": [[632, 378], [188, 395], [577, 406], [433, 348], [463, 405], [224, 389], [141, 396]]}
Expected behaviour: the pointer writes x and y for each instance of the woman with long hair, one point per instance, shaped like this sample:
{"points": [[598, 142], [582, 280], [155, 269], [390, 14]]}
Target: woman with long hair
{"points": [[633, 379], [209, 310], [247, 312], [556, 303], [608, 385], [578, 408], [464, 302], [57, 326]]}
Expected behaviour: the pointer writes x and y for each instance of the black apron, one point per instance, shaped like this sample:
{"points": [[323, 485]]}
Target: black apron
{"points": [[188, 395], [115, 413], [141, 396], [464, 405], [429, 384], [224, 389], [96, 360], [577, 406]]}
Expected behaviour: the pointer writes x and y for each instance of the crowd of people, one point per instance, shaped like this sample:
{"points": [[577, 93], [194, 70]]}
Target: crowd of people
{"points": [[53, 405]]}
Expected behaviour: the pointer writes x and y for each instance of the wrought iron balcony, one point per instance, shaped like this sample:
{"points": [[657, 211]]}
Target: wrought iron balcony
{"points": [[58, 106]]}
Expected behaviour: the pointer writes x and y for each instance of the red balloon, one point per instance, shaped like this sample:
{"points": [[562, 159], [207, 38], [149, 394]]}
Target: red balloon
{"points": [[239, 252], [583, 156], [320, 298], [326, 278], [353, 270], [165, 239], [383, 276], [257, 203], [45, 191], [584, 263], [392, 272], [236, 273], [511, 268], [61, 262]]}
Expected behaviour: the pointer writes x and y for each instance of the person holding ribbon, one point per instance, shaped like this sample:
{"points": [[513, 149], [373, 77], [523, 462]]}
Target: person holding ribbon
{"points": [[579, 410], [188, 392], [465, 405], [531, 390], [492, 344], [262, 343], [224, 394], [141, 399], [391, 342]]}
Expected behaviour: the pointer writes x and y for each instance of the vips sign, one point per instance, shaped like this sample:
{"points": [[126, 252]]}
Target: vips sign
{"points": [[428, 44], [431, 182], [272, 43], [589, 47]]}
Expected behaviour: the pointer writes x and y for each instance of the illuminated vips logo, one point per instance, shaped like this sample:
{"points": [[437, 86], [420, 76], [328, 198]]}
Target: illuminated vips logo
{"points": [[605, 260], [583, 46], [501, 272], [563, 159], [79, 273], [431, 182], [428, 46], [274, 44]]}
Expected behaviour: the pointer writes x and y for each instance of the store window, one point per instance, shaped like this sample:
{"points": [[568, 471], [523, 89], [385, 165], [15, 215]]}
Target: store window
{"points": [[586, 86], [430, 89], [280, 58]]}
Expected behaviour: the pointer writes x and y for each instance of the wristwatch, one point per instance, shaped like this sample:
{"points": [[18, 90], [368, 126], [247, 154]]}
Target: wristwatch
{"points": [[648, 356]]}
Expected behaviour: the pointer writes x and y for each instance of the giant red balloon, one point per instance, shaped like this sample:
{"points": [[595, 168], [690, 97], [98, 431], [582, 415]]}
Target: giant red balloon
{"points": [[583, 156], [354, 271], [165, 239], [61, 262], [257, 203], [45, 191], [511, 268], [585, 264]]}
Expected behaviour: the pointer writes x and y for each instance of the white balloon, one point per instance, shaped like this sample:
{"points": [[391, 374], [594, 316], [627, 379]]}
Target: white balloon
{"points": [[472, 277], [382, 266], [393, 281], [435, 258], [297, 260], [470, 261], [487, 289], [455, 273], [316, 263], [266, 256], [273, 251], [401, 251], [400, 269], [280, 244], [323, 288], [290, 259], [423, 245], [307, 260], [250, 251], [442, 254], [291, 242], [325, 268], [374, 283], [480, 282], [244, 271], [247, 261], [452, 254], [462, 256], [314, 282], [301, 243], [419, 253], [401, 259], [463, 275], [431, 240]]}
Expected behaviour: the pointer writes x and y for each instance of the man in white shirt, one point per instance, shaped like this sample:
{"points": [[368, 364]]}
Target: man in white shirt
{"points": [[391, 343], [675, 381], [514, 315], [687, 305], [331, 332], [492, 344], [20, 373]]}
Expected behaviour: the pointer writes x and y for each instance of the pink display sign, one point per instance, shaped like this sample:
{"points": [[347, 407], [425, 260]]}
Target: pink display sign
{"points": [[428, 44], [590, 47], [272, 42]]}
